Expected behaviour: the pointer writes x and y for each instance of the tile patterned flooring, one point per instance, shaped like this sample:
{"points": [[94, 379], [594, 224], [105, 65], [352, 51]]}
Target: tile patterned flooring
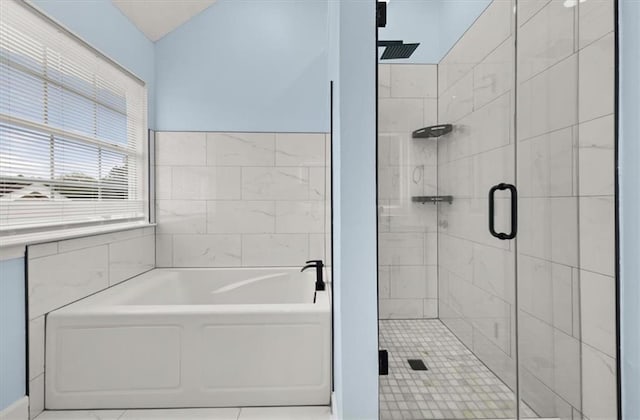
{"points": [[456, 386], [250, 413]]}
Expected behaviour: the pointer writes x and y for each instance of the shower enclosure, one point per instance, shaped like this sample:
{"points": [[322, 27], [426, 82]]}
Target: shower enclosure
{"points": [[496, 241]]}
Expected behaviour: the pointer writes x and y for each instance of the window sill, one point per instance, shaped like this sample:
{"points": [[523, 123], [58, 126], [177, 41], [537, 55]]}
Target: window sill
{"points": [[14, 246]]}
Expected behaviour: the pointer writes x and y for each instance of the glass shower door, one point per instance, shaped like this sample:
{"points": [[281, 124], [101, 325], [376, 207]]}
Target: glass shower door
{"points": [[565, 179], [514, 313], [476, 269]]}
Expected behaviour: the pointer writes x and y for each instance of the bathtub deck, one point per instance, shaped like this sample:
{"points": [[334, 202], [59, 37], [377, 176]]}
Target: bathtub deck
{"points": [[253, 413]]}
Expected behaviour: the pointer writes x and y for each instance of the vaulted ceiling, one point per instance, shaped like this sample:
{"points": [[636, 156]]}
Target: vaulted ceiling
{"points": [[156, 18]]}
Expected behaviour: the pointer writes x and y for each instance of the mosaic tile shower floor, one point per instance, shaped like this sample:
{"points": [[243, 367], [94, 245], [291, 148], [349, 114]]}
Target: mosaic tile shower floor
{"points": [[456, 386]]}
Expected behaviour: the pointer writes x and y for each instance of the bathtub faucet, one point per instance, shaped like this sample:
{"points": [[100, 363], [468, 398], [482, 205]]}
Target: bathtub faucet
{"points": [[317, 264]]}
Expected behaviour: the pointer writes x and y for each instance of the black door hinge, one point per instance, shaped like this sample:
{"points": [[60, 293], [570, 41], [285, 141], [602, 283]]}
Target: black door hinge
{"points": [[383, 362], [382, 14]]}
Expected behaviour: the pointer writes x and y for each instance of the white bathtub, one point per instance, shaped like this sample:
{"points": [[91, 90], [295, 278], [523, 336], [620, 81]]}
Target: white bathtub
{"points": [[193, 338]]}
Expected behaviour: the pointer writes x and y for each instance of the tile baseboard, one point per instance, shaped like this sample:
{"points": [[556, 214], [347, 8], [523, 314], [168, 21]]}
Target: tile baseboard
{"points": [[334, 407], [19, 410]]}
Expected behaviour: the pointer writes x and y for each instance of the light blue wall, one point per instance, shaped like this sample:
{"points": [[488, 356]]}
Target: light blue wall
{"points": [[352, 65], [435, 24], [263, 65], [12, 332], [629, 161], [103, 26], [246, 66]]}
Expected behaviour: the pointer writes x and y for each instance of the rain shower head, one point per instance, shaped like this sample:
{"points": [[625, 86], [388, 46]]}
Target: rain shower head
{"points": [[396, 49]]}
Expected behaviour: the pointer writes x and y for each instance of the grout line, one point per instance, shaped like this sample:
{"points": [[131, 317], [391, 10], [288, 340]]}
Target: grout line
{"points": [[473, 108], [109, 265], [576, 51], [555, 130], [455, 45], [552, 66], [439, 328], [580, 49], [518, 27], [549, 324], [575, 151]]}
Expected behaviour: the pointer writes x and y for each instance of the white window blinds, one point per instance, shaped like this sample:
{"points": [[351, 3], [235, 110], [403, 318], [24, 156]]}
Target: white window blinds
{"points": [[73, 129]]}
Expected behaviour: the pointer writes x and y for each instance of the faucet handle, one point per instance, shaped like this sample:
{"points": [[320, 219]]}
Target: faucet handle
{"points": [[316, 262]]}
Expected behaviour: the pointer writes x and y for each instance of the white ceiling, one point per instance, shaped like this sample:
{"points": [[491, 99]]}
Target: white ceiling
{"points": [[156, 18]]}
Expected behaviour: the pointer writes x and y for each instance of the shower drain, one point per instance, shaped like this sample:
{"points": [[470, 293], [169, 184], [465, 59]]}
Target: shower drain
{"points": [[417, 364]]}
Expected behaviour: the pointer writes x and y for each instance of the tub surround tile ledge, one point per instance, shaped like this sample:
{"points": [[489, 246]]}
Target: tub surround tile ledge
{"points": [[66, 271]]}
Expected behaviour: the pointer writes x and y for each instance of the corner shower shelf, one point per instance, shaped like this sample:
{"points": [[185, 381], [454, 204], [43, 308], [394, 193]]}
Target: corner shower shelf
{"points": [[433, 131], [432, 199]]}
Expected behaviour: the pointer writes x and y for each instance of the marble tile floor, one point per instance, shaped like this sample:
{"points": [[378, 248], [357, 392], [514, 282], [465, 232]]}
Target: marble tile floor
{"points": [[457, 385], [249, 413]]}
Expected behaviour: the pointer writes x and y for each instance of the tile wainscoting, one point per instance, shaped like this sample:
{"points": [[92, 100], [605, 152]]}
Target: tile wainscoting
{"points": [[63, 272], [242, 199]]}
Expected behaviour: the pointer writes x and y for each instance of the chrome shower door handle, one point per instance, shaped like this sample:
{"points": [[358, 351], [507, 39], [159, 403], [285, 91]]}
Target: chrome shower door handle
{"points": [[514, 211]]}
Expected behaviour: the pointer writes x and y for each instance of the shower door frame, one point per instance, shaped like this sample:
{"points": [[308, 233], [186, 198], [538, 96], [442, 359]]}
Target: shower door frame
{"points": [[515, 137]]}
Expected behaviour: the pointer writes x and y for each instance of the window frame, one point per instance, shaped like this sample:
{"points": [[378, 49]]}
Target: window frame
{"points": [[141, 151]]}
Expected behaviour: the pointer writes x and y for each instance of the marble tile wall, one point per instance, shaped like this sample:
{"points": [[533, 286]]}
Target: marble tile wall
{"points": [[565, 178], [62, 272], [476, 270], [566, 244], [407, 231], [242, 199]]}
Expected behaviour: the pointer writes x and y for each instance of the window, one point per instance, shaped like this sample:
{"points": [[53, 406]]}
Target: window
{"points": [[73, 129]]}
